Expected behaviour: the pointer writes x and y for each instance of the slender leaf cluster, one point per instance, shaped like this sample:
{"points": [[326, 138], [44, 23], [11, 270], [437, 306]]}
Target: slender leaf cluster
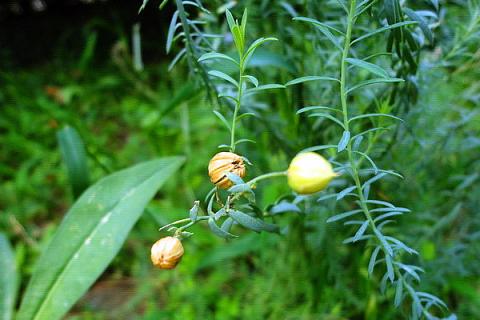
{"points": [[372, 215]]}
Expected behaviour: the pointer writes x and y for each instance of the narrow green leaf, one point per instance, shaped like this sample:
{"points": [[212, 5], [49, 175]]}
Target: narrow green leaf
{"points": [[171, 31], [373, 68], [216, 55], [344, 141], [374, 81], [219, 231], [421, 23], [252, 79], [373, 260], [383, 29], [328, 116], [252, 223], [309, 78], [244, 141], [306, 109], [390, 270], [318, 23], [90, 236], [344, 192], [369, 115], [374, 166], [222, 118], [250, 51], [321, 147], [227, 224], [177, 58], [398, 293], [223, 76], [75, 159], [230, 20], [360, 231], [264, 87], [194, 211], [384, 242], [343, 215], [8, 278]]}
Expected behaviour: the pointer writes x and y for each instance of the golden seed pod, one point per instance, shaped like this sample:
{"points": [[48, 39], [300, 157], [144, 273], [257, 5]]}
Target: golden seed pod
{"points": [[309, 172], [225, 162], [166, 253]]}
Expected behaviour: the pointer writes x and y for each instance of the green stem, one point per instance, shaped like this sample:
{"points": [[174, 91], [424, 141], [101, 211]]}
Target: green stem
{"points": [[267, 176], [351, 159], [237, 105]]}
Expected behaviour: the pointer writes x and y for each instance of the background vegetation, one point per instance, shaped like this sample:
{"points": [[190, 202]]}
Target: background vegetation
{"points": [[86, 73]]}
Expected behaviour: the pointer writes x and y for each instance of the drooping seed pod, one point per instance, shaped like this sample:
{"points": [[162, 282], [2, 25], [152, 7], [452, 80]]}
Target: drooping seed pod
{"points": [[225, 162], [309, 172], [166, 253]]}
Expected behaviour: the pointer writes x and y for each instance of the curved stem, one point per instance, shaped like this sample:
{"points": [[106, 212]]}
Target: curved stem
{"points": [[267, 176]]}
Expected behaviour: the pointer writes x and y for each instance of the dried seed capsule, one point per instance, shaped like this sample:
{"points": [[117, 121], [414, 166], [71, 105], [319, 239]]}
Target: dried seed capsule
{"points": [[225, 162], [309, 173], [166, 253]]}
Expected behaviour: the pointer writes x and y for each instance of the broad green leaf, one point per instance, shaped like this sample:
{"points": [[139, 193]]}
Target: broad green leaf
{"points": [[90, 236], [224, 76], [383, 29], [309, 78], [8, 278], [75, 159], [252, 223], [374, 81], [216, 55], [373, 68]]}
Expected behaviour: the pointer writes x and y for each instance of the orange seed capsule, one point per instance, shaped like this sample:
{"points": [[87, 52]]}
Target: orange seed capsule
{"points": [[225, 162], [166, 253]]}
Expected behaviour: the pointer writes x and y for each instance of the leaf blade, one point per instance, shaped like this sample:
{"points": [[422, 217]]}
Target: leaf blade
{"points": [[89, 237]]}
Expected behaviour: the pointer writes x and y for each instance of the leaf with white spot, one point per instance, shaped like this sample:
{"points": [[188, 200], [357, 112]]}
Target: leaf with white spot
{"points": [[90, 236]]}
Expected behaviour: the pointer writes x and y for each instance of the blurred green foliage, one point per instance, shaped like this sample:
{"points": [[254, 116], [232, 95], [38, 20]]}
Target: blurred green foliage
{"points": [[125, 116]]}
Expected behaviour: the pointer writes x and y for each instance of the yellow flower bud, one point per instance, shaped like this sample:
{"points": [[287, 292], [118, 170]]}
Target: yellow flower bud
{"points": [[309, 173], [225, 162], [166, 253]]}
